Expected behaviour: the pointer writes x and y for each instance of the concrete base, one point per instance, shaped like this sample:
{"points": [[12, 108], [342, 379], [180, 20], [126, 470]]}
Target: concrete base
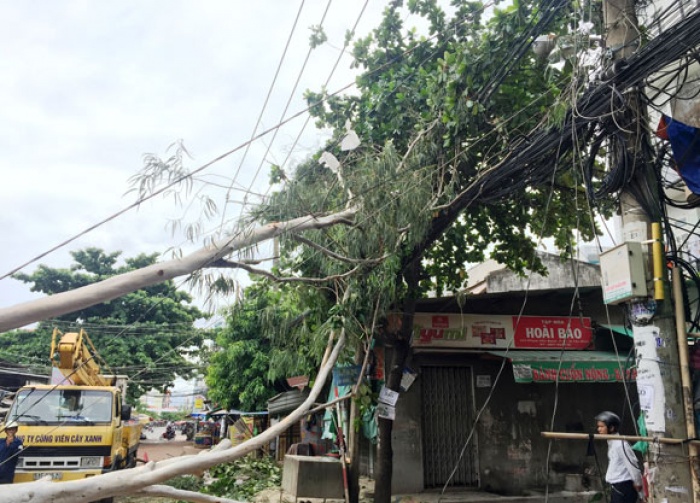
{"points": [[312, 477]]}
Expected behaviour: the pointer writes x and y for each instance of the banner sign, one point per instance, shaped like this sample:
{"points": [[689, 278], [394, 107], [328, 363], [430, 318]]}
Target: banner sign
{"points": [[346, 376], [578, 371], [650, 370], [501, 331], [388, 396], [378, 364], [386, 411], [407, 379], [32, 440]]}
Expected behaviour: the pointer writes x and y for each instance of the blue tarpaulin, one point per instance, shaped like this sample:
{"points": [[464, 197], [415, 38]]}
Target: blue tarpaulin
{"points": [[685, 143]]}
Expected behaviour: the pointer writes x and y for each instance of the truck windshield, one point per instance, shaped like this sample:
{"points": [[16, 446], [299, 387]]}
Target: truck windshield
{"points": [[57, 406]]}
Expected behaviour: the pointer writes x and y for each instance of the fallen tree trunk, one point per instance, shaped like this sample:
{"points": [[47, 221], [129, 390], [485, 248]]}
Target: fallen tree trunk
{"points": [[135, 480], [61, 303], [180, 494]]}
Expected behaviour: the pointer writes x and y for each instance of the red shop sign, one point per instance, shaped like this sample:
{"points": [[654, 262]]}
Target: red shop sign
{"points": [[552, 332]]}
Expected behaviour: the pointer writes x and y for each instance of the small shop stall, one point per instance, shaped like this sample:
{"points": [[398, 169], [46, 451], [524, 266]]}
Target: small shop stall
{"points": [[236, 425], [207, 434]]}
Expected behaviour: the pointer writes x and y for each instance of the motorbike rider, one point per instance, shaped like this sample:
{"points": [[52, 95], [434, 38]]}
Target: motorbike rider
{"points": [[169, 431]]}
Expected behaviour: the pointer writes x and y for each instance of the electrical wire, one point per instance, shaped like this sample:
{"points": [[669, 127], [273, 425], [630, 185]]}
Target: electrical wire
{"points": [[264, 107], [184, 177]]}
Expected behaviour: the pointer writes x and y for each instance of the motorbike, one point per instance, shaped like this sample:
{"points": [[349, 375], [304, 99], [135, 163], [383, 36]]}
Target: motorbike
{"points": [[169, 433]]}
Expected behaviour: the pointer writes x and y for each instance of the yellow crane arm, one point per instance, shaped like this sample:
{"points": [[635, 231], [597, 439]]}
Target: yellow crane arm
{"points": [[73, 357]]}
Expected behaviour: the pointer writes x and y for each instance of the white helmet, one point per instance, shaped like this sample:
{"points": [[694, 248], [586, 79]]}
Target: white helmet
{"points": [[11, 425]]}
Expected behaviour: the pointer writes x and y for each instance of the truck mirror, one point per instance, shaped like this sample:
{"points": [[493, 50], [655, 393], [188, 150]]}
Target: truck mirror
{"points": [[126, 412]]}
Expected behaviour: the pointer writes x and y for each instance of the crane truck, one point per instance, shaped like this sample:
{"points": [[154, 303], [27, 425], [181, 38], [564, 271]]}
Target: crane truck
{"points": [[79, 426]]}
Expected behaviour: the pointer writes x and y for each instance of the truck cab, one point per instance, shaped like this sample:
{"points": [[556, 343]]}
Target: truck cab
{"points": [[72, 432]]}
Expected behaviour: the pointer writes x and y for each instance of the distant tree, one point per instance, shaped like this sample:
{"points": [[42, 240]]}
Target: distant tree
{"points": [[173, 416], [251, 360], [160, 304], [146, 334]]}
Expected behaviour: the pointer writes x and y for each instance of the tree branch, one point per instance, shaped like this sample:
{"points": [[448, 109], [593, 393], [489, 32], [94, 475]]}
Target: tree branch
{"points": [[116, 286], [161, 491], [414, 142], [324, 406], [238, 265], [334, 255]]}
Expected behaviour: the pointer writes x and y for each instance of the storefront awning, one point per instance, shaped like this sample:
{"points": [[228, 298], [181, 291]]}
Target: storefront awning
{"points": [[234, 412], [619, 329], [567, 366]]}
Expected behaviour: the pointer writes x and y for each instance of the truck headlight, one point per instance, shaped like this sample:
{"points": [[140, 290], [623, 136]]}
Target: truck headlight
{"points": [[91, 462]]}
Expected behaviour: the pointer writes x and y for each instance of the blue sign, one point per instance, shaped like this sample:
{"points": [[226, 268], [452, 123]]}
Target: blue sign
{"points": [[346, 376]]}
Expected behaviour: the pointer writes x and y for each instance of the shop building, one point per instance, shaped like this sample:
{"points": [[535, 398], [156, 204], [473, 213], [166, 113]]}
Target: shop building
{"points": [[496, 370]]}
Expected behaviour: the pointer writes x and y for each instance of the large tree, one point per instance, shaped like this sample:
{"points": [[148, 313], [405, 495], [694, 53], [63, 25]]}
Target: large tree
{"points": [[442, 176], [146, 334], [436, 118]]}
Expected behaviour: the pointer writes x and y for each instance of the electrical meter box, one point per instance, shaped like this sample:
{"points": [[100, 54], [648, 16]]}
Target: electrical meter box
{"points": [[622, 269]]}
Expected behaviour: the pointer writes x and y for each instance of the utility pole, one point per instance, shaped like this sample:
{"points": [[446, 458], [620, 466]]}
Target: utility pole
{"points": [[668, 463]]}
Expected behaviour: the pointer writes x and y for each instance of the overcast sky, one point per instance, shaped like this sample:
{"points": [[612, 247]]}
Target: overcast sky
{"points": [[88, 88]]}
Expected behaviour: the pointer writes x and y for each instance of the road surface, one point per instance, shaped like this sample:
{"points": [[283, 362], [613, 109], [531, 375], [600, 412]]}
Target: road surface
{"points": [[156, 448]]}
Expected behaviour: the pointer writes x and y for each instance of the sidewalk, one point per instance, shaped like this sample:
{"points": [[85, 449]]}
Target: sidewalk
{"points": [[486, 497], [452, 496]]}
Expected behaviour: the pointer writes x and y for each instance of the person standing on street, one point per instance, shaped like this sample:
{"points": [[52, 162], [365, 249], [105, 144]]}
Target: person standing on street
{"points": [[623, 475], [9, 453]]}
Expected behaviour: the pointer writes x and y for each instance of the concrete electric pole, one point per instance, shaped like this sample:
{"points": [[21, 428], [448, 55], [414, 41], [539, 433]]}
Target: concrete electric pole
{"points": [[659, 370]]}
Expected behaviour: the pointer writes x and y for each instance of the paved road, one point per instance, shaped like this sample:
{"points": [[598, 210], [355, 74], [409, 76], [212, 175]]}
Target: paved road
{"points": [[157, 434], [156, 448]]}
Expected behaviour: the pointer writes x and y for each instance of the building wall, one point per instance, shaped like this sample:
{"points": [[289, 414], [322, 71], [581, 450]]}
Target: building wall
{"points": [[510, 451], [559, 275], [514, 458]]}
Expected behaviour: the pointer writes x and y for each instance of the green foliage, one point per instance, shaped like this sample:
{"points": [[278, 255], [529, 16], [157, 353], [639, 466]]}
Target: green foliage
{"points": [[240, 480], [27, 348], [318, 36], [172, 416], [244, 478], [186, 483], [259, 346], [145, 334], [433, 115], [365, 399]]}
